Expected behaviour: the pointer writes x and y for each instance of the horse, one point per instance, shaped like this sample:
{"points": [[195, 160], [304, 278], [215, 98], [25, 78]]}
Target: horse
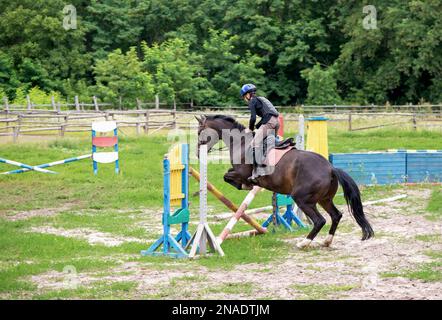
{"points": [[306, 176]]}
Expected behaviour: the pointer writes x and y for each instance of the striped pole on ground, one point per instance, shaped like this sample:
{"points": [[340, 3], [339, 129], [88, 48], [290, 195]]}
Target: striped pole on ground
{"points": [[23, 165], [51, 164]]}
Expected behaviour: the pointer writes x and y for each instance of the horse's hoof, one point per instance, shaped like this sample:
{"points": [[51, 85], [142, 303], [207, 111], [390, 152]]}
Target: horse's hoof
{"points": [[327, 242], [303, 244]]}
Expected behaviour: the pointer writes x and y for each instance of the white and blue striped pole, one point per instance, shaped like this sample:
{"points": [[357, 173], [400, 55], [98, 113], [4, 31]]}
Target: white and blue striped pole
{"points": [[51, 164], [26, 166]]}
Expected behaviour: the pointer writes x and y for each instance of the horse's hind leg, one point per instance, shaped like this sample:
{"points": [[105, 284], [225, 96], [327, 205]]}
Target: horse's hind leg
{"points": [[335, 215], [318, 220]]}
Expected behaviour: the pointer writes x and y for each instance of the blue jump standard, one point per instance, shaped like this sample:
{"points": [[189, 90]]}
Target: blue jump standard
{"points": [[171, 245], [289, 216]]}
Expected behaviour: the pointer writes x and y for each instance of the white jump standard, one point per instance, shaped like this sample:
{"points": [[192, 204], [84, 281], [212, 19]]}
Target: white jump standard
{"points": [[203, 234]]}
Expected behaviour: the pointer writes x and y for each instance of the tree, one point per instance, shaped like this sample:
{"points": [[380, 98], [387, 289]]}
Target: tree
{"points": [[8, 75], [400, 61], [321, 86], [176, 71], [120, 76], [227, 71], [42, 52]]}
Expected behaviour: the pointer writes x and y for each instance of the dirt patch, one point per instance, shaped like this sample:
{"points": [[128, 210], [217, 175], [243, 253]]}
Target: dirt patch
{"points": [[93, 237], [23, 215]]}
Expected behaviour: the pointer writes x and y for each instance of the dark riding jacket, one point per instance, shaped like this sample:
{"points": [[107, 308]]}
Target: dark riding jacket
{"points": [[262, 107]]}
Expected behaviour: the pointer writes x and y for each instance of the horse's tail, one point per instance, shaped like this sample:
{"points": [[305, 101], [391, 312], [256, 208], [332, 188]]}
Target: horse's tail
{"points": [[353, 198]]}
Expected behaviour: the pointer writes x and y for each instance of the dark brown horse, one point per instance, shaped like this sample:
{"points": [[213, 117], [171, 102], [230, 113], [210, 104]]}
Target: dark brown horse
{"points": [[307, 176]]}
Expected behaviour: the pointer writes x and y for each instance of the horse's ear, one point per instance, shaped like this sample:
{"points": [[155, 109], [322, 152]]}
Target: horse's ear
{"points": [[201, 119]]}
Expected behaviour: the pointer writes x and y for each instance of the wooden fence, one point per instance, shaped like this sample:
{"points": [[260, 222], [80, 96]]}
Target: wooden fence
{"points": [[61, 118]]}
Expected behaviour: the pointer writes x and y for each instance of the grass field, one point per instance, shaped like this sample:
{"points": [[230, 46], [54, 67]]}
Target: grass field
{"points": [[97, 225]]}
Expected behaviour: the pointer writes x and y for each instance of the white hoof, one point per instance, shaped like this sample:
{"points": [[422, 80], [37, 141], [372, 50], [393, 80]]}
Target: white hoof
{"points": [[328, 241], [303, 244]]}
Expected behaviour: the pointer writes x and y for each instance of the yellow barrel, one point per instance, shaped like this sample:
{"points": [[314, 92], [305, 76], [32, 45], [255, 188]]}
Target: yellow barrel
{"points": [[317, 137]]}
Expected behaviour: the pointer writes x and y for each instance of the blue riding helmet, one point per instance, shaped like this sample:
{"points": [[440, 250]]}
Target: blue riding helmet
{"points": [[247, 88]]}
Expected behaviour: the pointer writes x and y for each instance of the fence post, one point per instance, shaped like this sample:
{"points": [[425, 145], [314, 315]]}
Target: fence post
{"points": [[138, 104], [414, 121], [58, 107], [15, 133], [95, 103], [174, 114], [63, 129], [349, 121], [28, 102], [53, 103], [17, 128], [157, 102], [77, 104], [5, 99], [146, 126]]}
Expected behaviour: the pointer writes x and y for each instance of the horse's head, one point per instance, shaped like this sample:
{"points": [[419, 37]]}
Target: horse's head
{"points": [[210, 129], [207, 133]]}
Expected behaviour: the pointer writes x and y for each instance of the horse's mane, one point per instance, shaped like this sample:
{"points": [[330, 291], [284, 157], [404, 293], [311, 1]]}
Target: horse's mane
{"points": [[236, 124]]}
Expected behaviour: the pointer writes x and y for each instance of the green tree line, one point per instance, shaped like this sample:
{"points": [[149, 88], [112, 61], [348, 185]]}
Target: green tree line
{"points": [[295, 51]]}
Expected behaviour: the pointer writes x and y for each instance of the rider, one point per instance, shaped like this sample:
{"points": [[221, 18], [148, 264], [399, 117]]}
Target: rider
{"points": [[269, 119]]}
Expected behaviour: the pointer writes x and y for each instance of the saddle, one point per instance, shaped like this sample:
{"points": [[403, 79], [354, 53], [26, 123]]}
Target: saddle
{"points": [[279, 145], [289, 142]]}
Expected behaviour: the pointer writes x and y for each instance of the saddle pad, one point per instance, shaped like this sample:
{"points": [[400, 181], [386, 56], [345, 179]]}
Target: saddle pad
{"points": [[275, 155]]}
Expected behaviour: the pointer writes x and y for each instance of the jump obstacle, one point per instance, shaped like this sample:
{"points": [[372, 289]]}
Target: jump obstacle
{"points": [[112, 141], [176, 193], [98, 157], [25, 166], [50, 164]]}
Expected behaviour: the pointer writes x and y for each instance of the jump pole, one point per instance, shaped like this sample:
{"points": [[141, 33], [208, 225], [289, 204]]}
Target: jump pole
{"points": [[229, 204], [203, 234], [50, 164], [26, 166], [238, 214]]}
